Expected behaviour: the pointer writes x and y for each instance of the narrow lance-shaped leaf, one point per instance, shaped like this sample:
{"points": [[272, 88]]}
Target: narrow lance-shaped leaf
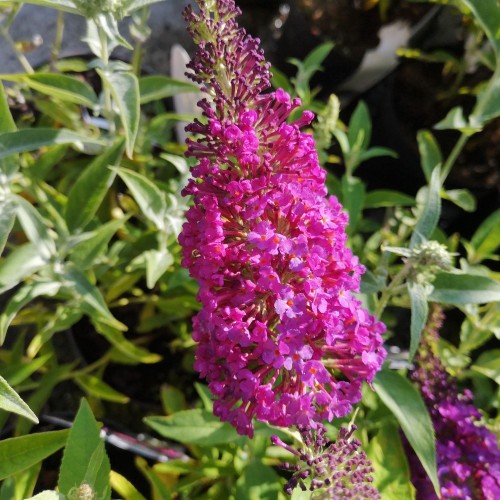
{"points": [[85, 253], [461, 289], [431, 212], [20, 453], [76, 467], [35, 228], [20, 299], [11, 401], [7, 218], [31, 139], [197, 426], [64, 5], [8, 165], [94, 386], [91, 187], [405, 402], [124, 88], [117, 339], [64, 87], [156, 87], [149, 198], [486, 239], [430, 153], [75, 280], [419, 310], [360, 127]]}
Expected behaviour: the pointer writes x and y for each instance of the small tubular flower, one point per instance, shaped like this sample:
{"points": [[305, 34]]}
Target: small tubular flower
{"points": [[280, 335]]}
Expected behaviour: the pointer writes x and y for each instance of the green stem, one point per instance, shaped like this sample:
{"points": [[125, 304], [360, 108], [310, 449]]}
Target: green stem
{"points": [[56, 46], [20, 56], [452, 158], [388, 291], [108, 112]]}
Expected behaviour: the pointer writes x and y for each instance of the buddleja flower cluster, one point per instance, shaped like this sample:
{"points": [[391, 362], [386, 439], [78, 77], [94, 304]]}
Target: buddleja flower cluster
{"points": [[280, 335], [338, 470], [468, 456]]}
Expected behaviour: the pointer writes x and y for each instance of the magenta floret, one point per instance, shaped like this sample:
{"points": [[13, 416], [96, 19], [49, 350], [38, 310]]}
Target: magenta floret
{"points": [[280, 335]]}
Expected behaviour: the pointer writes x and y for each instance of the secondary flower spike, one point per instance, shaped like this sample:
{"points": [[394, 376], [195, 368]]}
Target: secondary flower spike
{"points": [[280, 335], [468, 456]]}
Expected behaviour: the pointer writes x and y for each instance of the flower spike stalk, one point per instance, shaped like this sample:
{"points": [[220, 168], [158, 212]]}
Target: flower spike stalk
{"points": [[281, 336]]}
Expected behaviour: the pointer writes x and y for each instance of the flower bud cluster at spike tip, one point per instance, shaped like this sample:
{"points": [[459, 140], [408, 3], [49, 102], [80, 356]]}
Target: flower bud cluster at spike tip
{"points": [[280, 335], [337, 470], [468, 456]]}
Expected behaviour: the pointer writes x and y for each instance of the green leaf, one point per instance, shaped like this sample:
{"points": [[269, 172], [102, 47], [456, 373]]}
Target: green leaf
{"points": [[487, 14], [430, 153], [134, 353], [124, 487], [7, 123], [91, 187], [11, 401], [150, 199], [419, 310], [387, 198], [24, 295], [198, 427], [39, 397], [35, 227], [430, 213], [95, 387], [64, 87], [258, 481], [406, 404], [7, 218], [206, 396], [77, 282], [455, 120], [138, 4], [360, 128], [376, 153], [156, 87], [353, 196], [8, 166], [63, 5], [84, 459], [172, 399], [486, 239], [84, 254], [20, 453], [16, 373], [463, 198], [124, 88], [460, 289], [488, 364], [157, 262], [22, 262], [31, 139], [391, 476]]}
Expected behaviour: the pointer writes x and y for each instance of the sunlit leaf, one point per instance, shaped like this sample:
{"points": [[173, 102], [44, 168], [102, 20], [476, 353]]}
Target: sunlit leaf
{"points": [[431, 211], [405, 402], [12, 402], [19, 453], [84, 459], [460, 289], [124, 88], [64, 87], [91, 187], [31, 139], [196, 426]]}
